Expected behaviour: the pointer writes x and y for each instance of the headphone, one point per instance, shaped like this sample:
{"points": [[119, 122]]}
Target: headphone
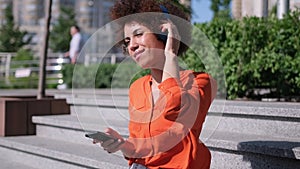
{"points": [[164, 35]]}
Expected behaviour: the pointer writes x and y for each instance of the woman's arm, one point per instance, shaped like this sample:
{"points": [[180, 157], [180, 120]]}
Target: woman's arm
{"points": [[171, 68]]}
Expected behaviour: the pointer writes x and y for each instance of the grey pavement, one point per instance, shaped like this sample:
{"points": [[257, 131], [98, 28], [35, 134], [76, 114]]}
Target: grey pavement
{"points": [[249, 134], [52, 92]]}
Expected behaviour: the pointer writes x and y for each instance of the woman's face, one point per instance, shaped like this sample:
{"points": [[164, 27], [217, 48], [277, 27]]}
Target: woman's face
{"points": [[143, 46]]}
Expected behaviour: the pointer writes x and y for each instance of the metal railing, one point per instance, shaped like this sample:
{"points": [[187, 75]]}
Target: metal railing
{"points": [[18, 73], [112, 58], [13, 72]]}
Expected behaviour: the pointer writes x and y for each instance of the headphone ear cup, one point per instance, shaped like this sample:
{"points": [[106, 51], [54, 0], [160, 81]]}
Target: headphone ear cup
{"points": [[162, 36]]}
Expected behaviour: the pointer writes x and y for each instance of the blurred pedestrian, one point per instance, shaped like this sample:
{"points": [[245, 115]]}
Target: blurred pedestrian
{"points": [[75, 44]]}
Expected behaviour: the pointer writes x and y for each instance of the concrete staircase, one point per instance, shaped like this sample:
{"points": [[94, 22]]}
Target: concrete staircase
{"points": [[239, 134]]}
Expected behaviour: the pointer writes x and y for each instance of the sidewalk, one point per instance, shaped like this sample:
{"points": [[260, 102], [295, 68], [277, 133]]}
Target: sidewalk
{"points": [[52, 92]]}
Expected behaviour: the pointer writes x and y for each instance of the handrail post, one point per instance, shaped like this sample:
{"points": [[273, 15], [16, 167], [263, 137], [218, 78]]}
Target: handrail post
{"points": [[113, 59], [7, 68], [87, 60]]}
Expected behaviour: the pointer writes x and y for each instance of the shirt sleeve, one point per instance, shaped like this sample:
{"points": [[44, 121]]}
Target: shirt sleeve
{"points": [[75, 45], [192, 99], [185, 110]]}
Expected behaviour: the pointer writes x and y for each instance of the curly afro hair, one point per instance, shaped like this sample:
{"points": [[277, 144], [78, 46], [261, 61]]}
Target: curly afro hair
{"points": [[126, 8]]}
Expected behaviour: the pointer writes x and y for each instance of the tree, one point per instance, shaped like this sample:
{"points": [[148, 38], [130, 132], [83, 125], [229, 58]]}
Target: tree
{"points": [[221, 9], [11, 38], [60, 35], [42, 72], [185, 5]]}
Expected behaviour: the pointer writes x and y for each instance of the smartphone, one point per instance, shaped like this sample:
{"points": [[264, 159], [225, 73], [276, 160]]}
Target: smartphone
{"points": [[100, 136]]}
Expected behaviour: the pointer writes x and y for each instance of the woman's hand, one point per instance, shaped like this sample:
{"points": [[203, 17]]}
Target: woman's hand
{"points": [[173, 38], [112, 145]]}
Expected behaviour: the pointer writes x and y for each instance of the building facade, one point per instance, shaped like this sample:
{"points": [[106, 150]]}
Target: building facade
{"points": [[259, 8], [3, 5], [29, 15], [295, 4]]}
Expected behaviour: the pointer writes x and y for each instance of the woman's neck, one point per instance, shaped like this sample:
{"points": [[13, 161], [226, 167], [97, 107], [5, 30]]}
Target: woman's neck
{"points": [[156, 75]]}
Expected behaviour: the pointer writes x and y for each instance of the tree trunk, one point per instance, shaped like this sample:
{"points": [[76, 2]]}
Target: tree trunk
{"points": [[43, 59]]}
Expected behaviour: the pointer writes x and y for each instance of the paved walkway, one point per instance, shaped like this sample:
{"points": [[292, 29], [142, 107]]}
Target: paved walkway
{"points": [[51, 92]]}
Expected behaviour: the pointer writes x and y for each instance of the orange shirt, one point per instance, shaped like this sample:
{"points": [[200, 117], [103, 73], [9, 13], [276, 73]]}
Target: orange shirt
{"points": [[166, 134]]}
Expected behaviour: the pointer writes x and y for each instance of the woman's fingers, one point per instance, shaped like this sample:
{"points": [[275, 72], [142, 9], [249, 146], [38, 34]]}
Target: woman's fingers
{"points": [[112, 146], [113, 133], [172, 30], [173, 38], [107, 143], [115, 146]]}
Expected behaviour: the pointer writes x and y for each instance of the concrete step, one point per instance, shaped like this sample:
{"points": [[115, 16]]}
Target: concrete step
{"points": [[236, 150], [215, 139], [271, 119], [264, 125], [251, 117], [45, 153], [93, 97], [248, 135], [239, 134], [243, 151], [108, 101], [91, 110], [88, 93], [260, 144], [248, 108], [9, 162], [70, 128]]}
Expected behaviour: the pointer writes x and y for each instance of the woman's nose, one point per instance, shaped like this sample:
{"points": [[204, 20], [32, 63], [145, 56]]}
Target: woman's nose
{"points": [[133, 46]]}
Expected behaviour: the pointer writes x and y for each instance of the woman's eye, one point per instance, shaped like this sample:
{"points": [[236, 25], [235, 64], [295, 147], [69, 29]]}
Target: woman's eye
{"points": [[139, 34], [126, 42]]}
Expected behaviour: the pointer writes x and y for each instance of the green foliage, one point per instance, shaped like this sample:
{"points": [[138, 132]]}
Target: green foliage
{"points": [[258, 53], [23, 55], [60, 35], [11, 38], [67, 71], [21, 83], [93, 76], [203, 57], [102, 75], [126, 73], [30, 82], [25, 59]]}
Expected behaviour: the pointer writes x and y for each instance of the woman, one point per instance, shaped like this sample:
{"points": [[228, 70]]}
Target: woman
{"points": [[168, 107]]}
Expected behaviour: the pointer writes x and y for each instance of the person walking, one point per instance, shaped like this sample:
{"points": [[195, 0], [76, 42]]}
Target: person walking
{"points": [[75, 44]]}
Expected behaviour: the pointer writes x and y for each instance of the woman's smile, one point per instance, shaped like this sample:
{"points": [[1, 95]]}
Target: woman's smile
{"points": [[137, 54]]}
